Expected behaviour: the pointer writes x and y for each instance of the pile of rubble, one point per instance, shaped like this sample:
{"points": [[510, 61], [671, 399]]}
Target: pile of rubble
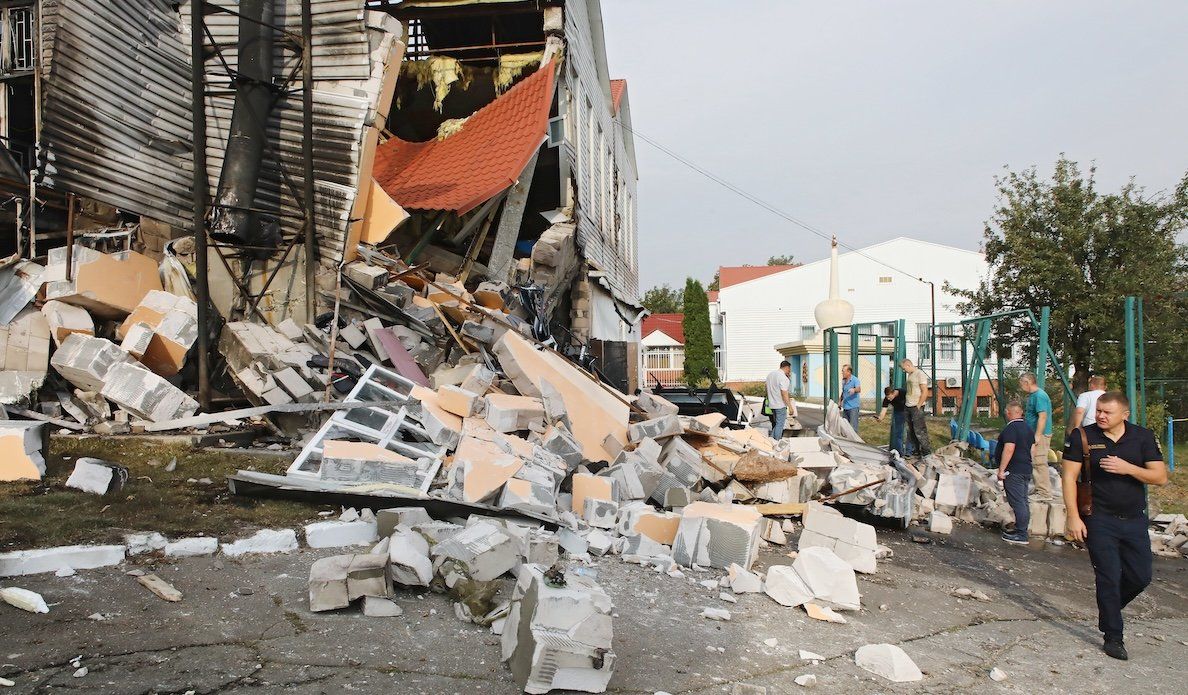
{"points": [[1169, 538]]}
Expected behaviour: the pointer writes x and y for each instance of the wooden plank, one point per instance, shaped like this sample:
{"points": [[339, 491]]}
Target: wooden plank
{"points": [[508, 234], [402, 362], [785, 509], [163, 589]]}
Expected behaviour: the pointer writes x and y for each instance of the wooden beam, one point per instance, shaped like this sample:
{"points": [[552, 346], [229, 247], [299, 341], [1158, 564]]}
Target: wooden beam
{"points": [[785, 509], [508, 233]]}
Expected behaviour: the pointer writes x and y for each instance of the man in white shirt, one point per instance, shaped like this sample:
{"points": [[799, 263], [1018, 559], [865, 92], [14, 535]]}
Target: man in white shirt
{"points": [[779, 402], [1086, 412]]}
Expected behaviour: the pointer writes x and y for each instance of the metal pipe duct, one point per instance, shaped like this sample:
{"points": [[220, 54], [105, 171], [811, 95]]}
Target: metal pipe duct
{"points": [[232, 219]]}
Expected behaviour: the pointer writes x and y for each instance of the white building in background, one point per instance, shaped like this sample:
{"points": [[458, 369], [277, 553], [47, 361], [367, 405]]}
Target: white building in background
{"points": [[757, 314]]}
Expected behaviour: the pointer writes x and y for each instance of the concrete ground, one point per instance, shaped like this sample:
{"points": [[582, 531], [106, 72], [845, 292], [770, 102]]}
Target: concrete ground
{"points": [[243, 626]]}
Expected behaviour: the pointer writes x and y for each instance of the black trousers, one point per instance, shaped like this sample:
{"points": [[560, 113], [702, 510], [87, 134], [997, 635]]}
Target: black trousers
{"points": [[1120, 551]]}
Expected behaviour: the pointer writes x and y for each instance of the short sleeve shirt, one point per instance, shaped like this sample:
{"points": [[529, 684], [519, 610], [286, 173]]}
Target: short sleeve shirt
{"points": [[1016, 432], [777, 381], [916, 384], [851, 400], [1088, 402], [1037, 403], [898, 403], [1120, 495]]}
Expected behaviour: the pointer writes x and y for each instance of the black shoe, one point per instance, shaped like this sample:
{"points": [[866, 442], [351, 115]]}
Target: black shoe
{"points": [[1116, 649]]}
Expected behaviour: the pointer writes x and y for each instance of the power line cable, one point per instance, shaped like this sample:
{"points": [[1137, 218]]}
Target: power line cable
{"points": [[764, 204]]}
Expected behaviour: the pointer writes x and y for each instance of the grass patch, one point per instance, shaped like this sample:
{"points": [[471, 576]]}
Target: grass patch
{"points": [[46, 513], [1173, 497], [879, 433]]}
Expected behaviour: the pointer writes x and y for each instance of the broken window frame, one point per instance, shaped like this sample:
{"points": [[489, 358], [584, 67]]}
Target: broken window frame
{"points": [[376, 384], [18, 40]]}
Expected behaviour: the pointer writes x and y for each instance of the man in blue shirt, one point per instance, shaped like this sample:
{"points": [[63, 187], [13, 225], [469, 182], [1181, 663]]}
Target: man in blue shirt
{"points": [[1038, 414], [1013, 455], [851, 395]]}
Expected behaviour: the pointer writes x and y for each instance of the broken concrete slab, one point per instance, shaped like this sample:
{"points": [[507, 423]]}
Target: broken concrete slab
{"points": [[145, 394], [659, 526], [717, 535], [785, 587], [140, 543], [171, 322], [457, 400], [656, 428], [388, 519], [940, 523], [20, 451], [558, 634], [109, 286], [508, 413], [338, 534], [444, 428], [408, 555], [888, 661], [828, 577], [64, 319], [24, 599], [76, 557], [591, 486], [823, 613], [328, 583], [367, 575], [86, 361], [97, 477], [376, 607], [655, 406], [264, 541], [851, 540], [600, 513], [482, 551], [743, 581]]}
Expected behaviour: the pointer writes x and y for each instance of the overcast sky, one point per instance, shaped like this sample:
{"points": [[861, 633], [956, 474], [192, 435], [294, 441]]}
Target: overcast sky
{"points": [[880, 118]]}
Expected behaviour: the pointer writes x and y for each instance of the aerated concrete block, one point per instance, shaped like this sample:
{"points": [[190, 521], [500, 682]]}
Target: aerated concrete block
{"points": [[656, 428]]}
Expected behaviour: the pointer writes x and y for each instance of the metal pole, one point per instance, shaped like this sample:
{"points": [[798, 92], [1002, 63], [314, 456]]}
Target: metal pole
{"points": [[878, 394], [1141, 339], [854, 350], [307, 158], [932, 345], [1171, 443], [834, 371], [1041, 357], [69, 237], [1129, 340], [201, 191], [964, 368], [900, 353]]}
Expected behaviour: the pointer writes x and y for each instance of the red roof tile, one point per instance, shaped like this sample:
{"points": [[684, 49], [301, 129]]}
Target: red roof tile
{"points": [[670, 324], [473, 165], [617, 87], [734, 275]]}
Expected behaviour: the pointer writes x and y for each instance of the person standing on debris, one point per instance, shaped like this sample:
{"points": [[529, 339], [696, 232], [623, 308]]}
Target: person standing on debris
{"points": [[917, 394], [851, 395], [779, 402], [896, 400], [1086, 412], [1123, 459], [1039, 417], [1013, 456]]}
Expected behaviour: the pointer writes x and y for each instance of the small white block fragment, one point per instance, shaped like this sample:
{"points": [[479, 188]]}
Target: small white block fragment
{"points": [[806, 655], [376, 607], [715, 614], [997, 674], [192, 547], [887, 661], [24, 599], [728, 598], [771, 641], [808, 680]]}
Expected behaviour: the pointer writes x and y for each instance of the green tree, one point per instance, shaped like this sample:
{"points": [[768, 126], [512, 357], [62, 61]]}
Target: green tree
{"points": [[663, 299], [716, 284], [699, 341], [788, 259], [1064, 244]]}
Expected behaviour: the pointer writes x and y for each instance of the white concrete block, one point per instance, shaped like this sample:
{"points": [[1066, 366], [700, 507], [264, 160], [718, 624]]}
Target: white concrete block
{"points": [[338, 534], [785, 587], [77, 557], [192, 547], [828, 577], [888, 661], [262, 542]]}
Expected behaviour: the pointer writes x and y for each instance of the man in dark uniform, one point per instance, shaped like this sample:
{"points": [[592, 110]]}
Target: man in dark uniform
{"points": [[1123, 458]]}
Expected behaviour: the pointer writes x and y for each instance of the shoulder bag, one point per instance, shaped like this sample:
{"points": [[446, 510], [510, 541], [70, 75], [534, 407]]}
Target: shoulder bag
{"points": [[1085, 479]]}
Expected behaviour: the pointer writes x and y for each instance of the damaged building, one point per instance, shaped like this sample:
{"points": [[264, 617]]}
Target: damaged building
{"points": [[472, 142]]}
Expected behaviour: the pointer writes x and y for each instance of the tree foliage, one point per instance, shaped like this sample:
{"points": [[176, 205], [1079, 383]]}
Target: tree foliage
{"points": [[699, 341], [787, 259], [663, 299], [716, 284], [1064, 244]]}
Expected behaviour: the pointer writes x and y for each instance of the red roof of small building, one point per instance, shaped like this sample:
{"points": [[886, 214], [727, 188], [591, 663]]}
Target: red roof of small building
{"points": [[487, 156], [672, 326], [712, 295], [734, 275], [617, 87]]}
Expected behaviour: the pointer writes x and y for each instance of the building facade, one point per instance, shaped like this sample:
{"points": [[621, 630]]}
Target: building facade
{"points": [[776, 308]]}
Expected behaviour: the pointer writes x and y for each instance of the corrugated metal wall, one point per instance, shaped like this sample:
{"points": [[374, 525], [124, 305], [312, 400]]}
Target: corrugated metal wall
{"points": [[117, 122]]}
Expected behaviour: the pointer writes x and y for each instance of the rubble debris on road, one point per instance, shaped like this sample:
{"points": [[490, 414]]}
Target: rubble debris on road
{"points": [[24, 599], [888, 661]]}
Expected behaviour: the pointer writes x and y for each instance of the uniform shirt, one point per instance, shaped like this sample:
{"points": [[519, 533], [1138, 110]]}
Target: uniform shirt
{"points": [[1037, 403], [916, 385], [851, 401], [1120, 495], [897, 404], [777, 381], [1019, 433], [1088, 401]]}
